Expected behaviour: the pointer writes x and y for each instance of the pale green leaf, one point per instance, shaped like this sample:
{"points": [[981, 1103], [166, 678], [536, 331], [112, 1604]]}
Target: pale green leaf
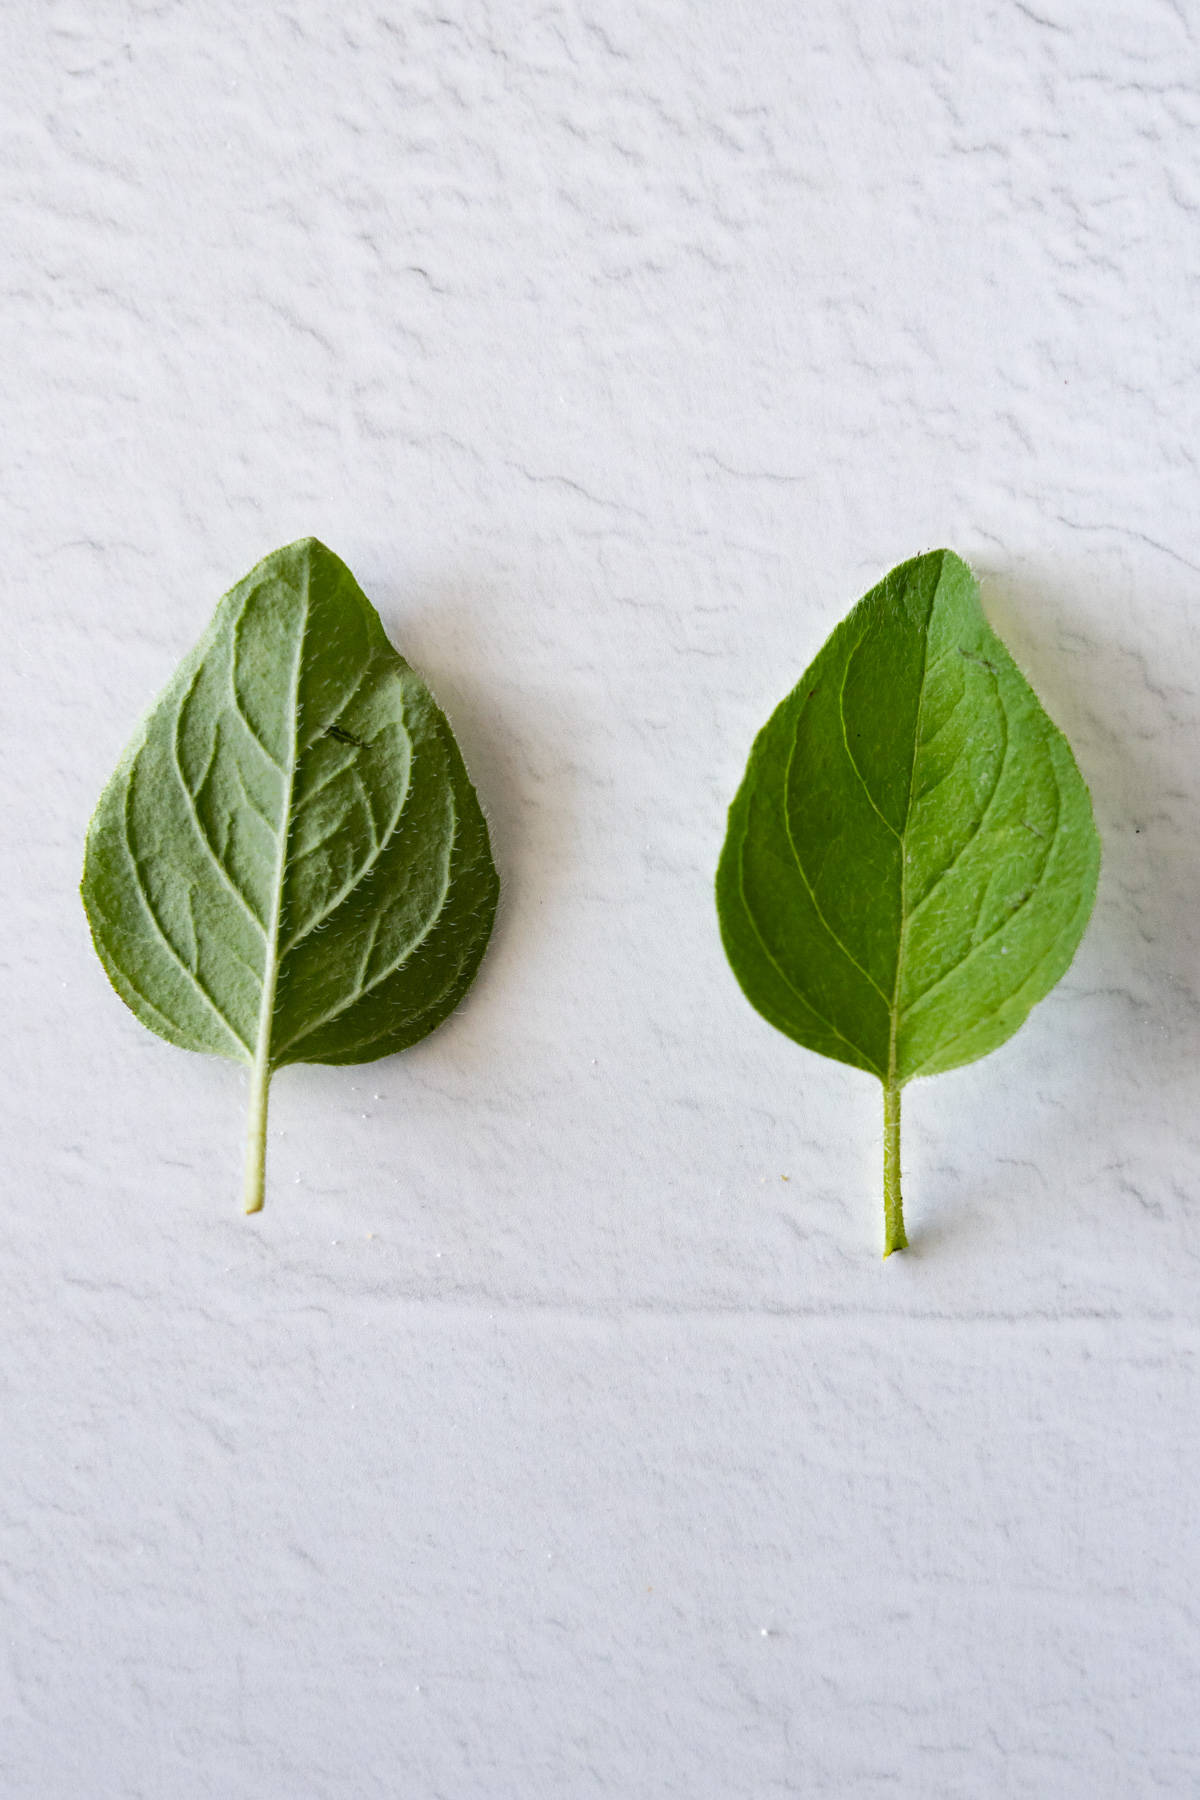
{"points": [[911, 858], [290, 863]]}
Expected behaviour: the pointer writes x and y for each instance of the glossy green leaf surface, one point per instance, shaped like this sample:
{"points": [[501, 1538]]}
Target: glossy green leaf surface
{"points": [[290, 863], [911, 858]]}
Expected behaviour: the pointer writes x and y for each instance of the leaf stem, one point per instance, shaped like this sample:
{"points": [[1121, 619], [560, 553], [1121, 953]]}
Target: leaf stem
{"points": [[894, 1237], [256, 1134]]}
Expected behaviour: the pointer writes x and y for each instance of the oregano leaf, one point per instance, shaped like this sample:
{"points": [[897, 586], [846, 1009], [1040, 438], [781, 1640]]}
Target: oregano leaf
{"points": [[289, 863], [911, 858]]}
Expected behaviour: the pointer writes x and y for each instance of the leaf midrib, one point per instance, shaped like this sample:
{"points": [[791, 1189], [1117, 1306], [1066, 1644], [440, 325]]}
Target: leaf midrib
{"points": [[271, 957], [894, 1008]]}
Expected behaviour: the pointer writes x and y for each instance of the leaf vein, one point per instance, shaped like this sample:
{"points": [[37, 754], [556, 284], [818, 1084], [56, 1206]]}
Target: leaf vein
{"points": [[846, 738], [312, 1027], [988, 936], [161, 934], [198, 823], [818, 909], [359, 875], [1083, 905], [251, 802], [348, 698], [238, 708], [982, 820], [804, 1000]]}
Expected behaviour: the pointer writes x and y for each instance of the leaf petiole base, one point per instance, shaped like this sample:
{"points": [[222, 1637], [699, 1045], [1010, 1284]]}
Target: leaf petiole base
{"points": [[894, 1235]]}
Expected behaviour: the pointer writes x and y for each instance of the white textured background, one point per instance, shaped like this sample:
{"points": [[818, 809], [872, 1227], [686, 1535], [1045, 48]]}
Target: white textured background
{"points": [[557, 1430]]}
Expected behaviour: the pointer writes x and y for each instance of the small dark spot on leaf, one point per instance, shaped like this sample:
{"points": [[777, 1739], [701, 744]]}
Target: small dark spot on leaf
{"points": [[342, 736], [1034, 829]]}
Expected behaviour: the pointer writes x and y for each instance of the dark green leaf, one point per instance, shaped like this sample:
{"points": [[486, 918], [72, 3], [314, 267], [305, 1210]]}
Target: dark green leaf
{"points": [[290, 863], [911, 858]]}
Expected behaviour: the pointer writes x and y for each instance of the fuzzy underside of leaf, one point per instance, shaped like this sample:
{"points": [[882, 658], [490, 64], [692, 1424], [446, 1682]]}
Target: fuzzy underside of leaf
{"points": [[290, 863]]}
